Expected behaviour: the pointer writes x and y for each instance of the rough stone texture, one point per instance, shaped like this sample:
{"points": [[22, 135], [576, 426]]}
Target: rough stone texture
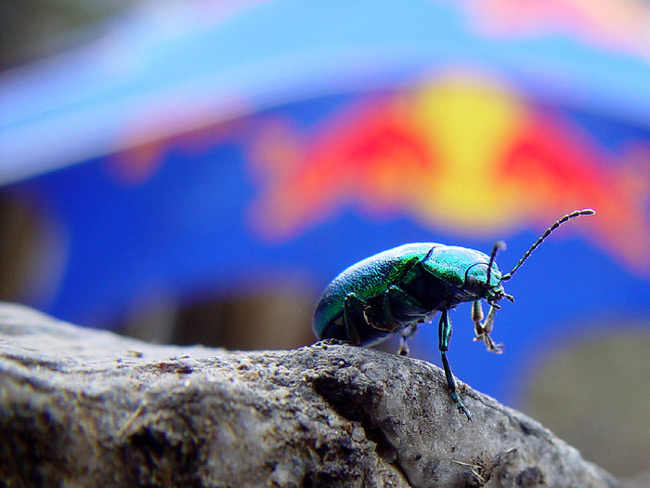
{"points": [[88, 408]]}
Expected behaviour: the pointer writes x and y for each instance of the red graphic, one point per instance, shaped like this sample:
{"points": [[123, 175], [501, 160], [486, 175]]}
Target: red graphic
{"points": [[370, 155], [461, 153]]}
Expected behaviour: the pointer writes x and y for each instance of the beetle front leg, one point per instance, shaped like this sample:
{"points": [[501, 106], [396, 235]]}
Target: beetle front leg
{"points": [[444, 336], [483, 329]]}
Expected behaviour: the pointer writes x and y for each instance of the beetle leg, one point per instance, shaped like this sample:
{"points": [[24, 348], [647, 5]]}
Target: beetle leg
{"points": [[444, 336], [353, 303], [392, 293], [482, 330], [405, 334], [387, 324], [331, 342], [395, 293], [403, 349], [477, 316]]}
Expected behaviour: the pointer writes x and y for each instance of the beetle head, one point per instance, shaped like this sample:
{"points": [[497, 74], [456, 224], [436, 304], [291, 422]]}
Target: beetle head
{"points": [[484, 279]]}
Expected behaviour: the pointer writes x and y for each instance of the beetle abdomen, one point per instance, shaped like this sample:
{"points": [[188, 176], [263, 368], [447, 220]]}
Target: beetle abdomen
{"points": [[367, 279]]}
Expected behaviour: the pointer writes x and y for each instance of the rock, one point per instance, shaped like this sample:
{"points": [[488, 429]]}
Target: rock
{"points": [[82, 407]]}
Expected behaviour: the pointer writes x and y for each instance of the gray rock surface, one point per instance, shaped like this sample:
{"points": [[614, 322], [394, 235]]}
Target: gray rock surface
{"points": [[86, 408]]}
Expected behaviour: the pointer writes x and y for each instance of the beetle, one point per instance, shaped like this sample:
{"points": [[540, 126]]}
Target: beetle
{"points": [[396, 290]]}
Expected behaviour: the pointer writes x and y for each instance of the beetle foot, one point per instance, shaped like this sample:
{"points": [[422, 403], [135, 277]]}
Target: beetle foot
{"points": [[404, 349], [461, 407], [332, 342], [491, 345], [369, 316]]}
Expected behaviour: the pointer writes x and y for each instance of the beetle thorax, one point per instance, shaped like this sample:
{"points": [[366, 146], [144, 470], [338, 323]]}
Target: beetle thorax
{"points": [[464, 273]]}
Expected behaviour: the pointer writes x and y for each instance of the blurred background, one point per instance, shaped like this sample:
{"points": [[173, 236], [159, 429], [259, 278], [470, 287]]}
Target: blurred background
{"points": [[197, 172]]}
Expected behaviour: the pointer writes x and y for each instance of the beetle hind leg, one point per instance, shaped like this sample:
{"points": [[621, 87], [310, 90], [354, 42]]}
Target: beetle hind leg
{"points": [[483, 329], [404, 335]]}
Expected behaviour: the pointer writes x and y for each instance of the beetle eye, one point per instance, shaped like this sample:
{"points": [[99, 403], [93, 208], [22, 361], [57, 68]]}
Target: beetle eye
{"points": [[479, 271], [471, 282]]}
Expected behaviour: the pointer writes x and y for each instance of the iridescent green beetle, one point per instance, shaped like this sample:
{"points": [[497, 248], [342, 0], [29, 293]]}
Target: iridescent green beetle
{"points": [[396, 290]]}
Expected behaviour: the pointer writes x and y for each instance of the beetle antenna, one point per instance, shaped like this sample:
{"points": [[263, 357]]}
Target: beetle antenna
{"points": [[498, 246], [566, 218]]}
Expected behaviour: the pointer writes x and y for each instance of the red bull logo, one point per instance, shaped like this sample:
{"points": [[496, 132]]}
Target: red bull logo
{"points": [[464, 153]]}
